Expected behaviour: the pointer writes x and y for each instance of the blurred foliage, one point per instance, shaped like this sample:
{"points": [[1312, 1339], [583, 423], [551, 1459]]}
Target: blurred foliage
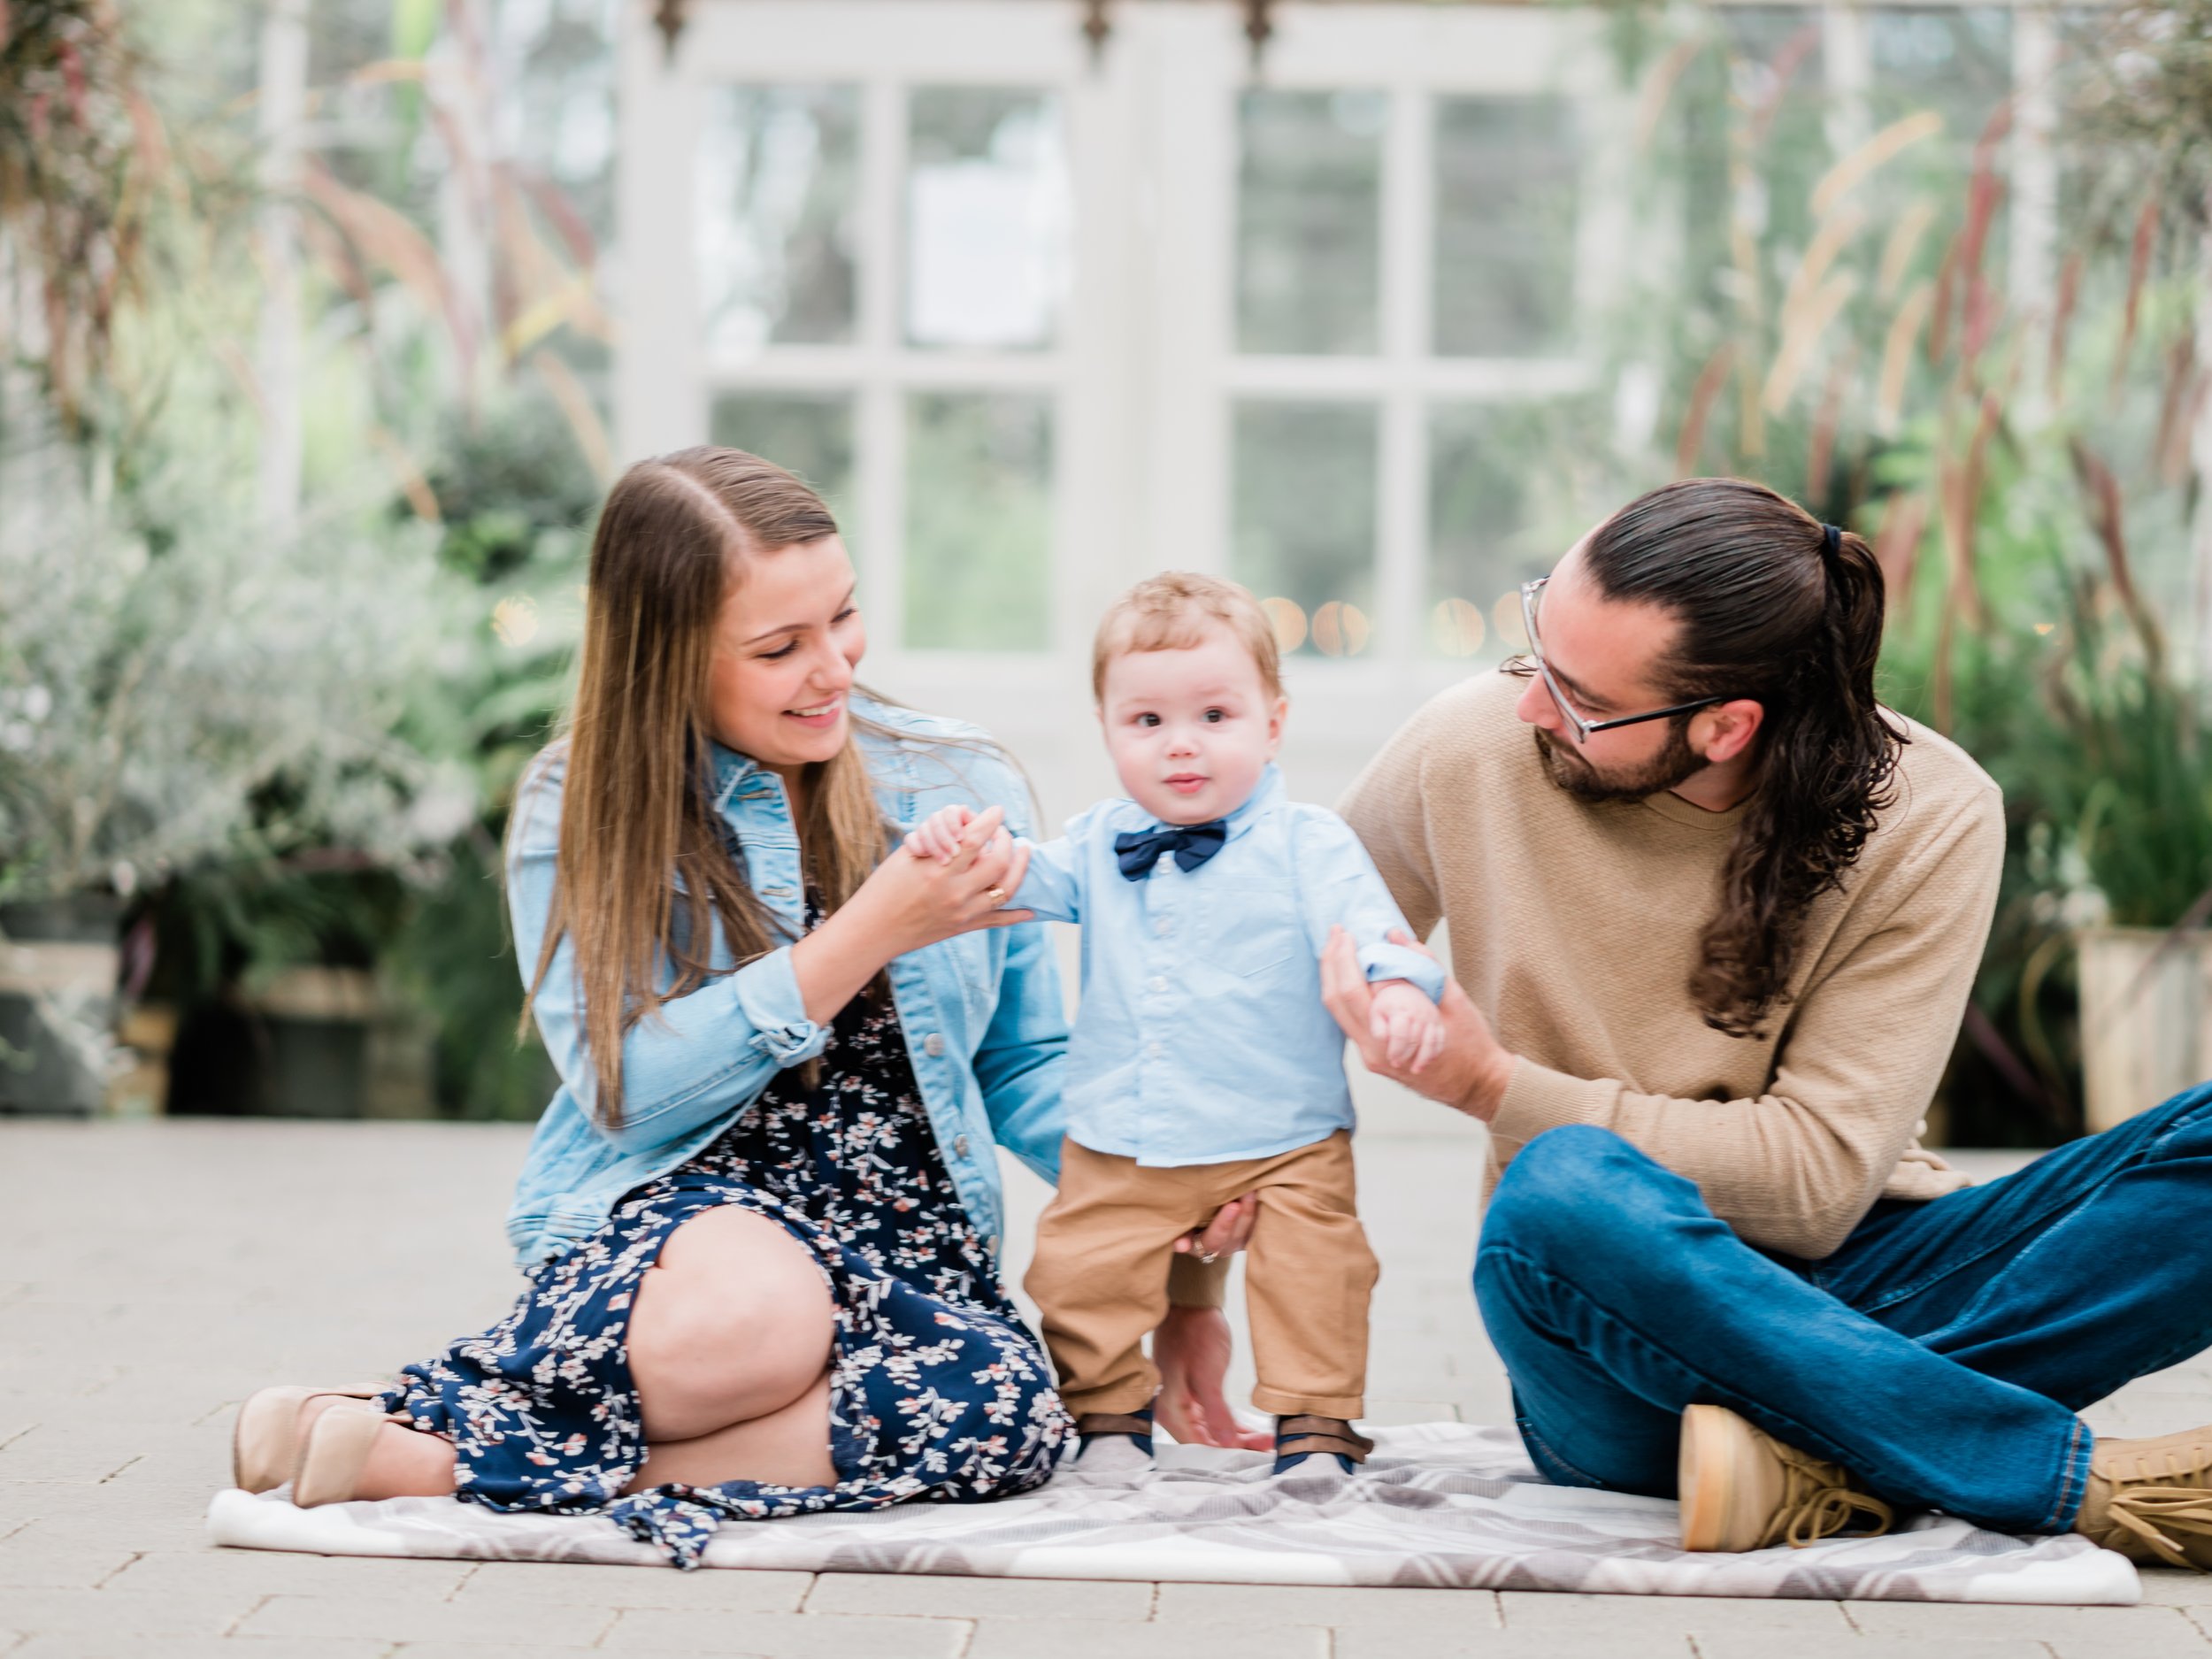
{"points": [[295, 740], [1831, 309], [518, 499], [181, 689], [2144, 102], [83, 162]]}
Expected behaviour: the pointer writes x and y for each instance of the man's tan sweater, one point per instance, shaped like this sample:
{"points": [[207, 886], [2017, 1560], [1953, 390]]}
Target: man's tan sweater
{"points": [[1574, 927]]}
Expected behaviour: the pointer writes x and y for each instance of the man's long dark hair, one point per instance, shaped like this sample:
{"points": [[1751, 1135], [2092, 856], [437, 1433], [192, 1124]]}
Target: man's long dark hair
{"points": [[1770, 608]]}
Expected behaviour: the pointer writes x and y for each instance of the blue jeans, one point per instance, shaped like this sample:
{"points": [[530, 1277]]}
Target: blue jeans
{"points": [[1940, 1355]]}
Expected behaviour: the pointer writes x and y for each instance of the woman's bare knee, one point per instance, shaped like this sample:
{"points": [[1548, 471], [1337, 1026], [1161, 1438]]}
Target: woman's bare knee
{"points": [[734, 1322]]}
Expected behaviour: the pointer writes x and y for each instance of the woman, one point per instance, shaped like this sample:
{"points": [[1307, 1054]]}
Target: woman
{"points": [[760, 1216]]}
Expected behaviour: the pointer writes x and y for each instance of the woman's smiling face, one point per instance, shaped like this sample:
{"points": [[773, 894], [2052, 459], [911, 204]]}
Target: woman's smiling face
{"points": [[785, 646]]}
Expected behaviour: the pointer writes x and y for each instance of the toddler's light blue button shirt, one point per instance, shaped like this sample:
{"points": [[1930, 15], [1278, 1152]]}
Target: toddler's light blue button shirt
{"points": [[1202, 1036]]}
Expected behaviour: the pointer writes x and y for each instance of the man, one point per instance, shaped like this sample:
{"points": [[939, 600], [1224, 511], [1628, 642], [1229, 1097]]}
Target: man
{"points": [[1714, 915]]}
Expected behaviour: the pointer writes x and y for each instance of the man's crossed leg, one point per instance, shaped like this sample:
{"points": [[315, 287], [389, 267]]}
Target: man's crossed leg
{"points": [[1939, 1356]]}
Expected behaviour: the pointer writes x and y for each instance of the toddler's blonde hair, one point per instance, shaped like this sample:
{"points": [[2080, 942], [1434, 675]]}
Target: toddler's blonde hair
{"points": [[1172, 611]]}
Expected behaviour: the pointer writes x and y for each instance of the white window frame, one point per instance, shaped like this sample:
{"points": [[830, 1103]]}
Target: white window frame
{"points": [[666, 378]]}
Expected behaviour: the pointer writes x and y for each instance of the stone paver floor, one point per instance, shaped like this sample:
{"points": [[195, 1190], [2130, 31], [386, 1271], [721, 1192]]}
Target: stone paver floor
{"points": [[153, 1274]]}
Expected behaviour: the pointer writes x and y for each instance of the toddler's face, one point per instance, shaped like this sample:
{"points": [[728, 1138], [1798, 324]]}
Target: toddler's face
{"points": [[1190, 730]]}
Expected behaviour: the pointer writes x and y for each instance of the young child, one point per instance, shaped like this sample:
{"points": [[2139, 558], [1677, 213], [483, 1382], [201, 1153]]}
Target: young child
{"points": [[1203, 1065]]}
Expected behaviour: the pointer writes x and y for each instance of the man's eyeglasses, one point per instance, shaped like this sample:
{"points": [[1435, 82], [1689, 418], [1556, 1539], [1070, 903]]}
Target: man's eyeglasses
{"points": [[1532, 662]]}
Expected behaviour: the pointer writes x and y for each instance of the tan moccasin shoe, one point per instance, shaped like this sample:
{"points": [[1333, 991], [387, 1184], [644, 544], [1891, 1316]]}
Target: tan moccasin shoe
{"points": [[2152, 1500], [1742, 1489]]}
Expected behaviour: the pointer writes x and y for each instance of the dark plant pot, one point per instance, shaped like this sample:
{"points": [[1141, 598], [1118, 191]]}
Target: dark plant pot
{"points": [[58, 1003], [317, 1068]]}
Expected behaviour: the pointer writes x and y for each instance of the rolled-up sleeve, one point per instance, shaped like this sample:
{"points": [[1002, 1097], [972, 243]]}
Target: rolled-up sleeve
{"points": [[769, 997]]}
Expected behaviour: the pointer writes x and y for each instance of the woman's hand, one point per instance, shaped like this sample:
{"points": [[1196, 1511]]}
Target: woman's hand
{"points": [[913, 902], [1471, 1069], [906, 904], [1191, 1348], [937, 835]]}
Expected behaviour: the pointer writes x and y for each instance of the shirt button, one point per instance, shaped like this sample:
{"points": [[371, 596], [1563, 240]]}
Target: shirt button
{"points": [[1160, 927], [960, 1146], [1153, 1050], [933, 1045], [1159, 982]]}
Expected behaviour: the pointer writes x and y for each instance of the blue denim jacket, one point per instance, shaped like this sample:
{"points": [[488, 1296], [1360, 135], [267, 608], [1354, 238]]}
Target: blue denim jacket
{"points": [[982, 1012]]}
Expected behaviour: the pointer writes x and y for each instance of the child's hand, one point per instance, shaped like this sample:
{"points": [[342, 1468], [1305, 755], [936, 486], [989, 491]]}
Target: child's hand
{"points": [[937, 835], [1406, 1023]]}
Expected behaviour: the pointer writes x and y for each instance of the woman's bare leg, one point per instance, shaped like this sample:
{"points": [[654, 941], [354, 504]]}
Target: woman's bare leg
{"points": [[734, 1322], [789, 1448], [729, 1348], [406, 1463]]}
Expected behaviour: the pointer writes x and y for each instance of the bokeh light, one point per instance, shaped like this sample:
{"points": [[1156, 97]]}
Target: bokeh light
{"points": [[1456, 628], [515, 620], [1505, 617], [1341, 629]]}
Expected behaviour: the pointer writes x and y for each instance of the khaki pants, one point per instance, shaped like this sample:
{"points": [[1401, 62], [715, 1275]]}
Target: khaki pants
{"points": [[1103, 1247]]}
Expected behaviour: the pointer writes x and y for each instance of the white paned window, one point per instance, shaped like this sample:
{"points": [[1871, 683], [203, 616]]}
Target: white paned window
{"points": [[1038, 324]]}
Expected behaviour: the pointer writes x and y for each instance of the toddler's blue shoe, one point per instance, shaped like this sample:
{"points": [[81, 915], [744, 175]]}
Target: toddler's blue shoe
{"points": [[1299, 1438], [1114, 1440]]}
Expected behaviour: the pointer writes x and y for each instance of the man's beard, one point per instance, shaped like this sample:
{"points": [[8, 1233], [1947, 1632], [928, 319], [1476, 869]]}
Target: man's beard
{"points": [[1675, 761]]}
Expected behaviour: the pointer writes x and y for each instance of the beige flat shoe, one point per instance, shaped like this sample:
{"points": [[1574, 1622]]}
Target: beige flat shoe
{"points": [[1743, 1489], [265, 1441], [332, 1453]]}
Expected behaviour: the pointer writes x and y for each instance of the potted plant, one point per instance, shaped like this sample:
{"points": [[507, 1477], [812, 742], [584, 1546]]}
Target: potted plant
{"points": [[2141, 829], [179, 691]]}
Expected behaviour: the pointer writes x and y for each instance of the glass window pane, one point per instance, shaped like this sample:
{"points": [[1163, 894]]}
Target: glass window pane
{"points": [[979, 522], [989, 217], [1956, 61], [807, 433], [1499, 486], [1778, 65], [1507, 181], [1751, 123], [1310, 221], [1305, 519], [778, 199]]}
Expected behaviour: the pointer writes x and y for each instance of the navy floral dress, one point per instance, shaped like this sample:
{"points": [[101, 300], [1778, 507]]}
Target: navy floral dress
{"points": [[937, 1390]]}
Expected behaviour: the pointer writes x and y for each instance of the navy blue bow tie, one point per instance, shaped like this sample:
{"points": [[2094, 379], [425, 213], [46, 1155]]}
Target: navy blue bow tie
{"points": [[1191, 843]]}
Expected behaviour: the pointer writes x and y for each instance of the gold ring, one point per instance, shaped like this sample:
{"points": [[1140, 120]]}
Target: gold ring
{"points": [[997, 896]]}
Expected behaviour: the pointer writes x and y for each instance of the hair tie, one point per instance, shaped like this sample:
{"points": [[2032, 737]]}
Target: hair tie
{"points": [[1831, 543]]}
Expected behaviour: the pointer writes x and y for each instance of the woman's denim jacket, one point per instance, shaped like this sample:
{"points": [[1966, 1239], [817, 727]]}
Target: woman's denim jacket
{"points": [[985, 1024]]}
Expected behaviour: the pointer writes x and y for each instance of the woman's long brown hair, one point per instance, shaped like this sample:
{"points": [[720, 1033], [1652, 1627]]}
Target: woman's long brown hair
{"points": [[1769, 608], [642, 871]]}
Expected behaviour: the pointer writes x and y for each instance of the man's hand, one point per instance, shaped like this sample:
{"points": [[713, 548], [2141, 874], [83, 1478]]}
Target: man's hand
{"points": [[1191, 1348], [1472, 1070], [1229, 1232]]}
